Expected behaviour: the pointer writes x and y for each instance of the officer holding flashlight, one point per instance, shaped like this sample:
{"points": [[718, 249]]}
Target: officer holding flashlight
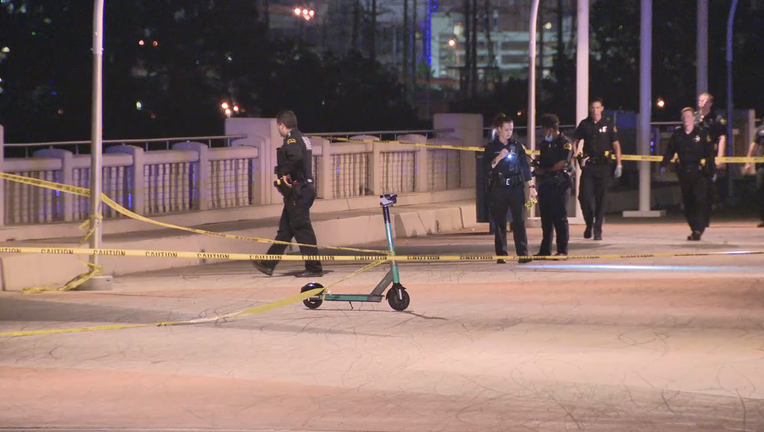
{"points": [[507, 168]]}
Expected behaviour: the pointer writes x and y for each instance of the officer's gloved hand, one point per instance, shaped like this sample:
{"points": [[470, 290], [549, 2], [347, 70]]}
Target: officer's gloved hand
{"points": [[663, 170], [618, 171]]}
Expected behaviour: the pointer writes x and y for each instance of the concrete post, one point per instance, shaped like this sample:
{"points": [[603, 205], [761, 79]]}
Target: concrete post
{"points": [[422, 163], [264, 135], [67, 176], [202, 173], [468, 127], [138, 185], [324, 175], [375, 163]]}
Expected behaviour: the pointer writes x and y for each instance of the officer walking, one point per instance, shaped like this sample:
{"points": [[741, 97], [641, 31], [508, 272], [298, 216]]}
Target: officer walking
{"points": [[600, 141], [507, 168], [553, 183], [758, 146], [716, 128], [692, 145], [295, 181]]}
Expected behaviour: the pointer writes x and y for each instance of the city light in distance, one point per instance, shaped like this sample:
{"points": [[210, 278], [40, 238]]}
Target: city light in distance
{"points": [[155, 43], [141, 42], [306, 13], [451, 42], [224, 105], [661, 103], [6, 50], [138, 105]]}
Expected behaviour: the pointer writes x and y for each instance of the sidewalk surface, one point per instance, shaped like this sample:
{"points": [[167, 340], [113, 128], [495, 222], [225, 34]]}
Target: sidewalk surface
{"points": [[654, 344]]}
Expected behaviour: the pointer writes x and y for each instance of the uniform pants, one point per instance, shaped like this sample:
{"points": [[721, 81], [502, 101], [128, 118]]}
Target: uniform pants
{"points": [[553, 205], [510, 198], [295, 223], [694, 186], [760, 189], [713, 192], [595, 180]]}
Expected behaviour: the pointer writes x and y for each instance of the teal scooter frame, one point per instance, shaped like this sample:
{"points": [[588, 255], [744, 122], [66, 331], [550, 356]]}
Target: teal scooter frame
{"points": [[397, 297]]}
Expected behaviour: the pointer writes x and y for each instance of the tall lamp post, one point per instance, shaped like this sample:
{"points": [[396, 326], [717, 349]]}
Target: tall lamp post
{"points": [[96, 136], [730, 26]]}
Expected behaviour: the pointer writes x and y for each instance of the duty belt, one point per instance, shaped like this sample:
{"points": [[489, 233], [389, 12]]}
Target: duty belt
{"points": [[597, 160], [513, 180]]}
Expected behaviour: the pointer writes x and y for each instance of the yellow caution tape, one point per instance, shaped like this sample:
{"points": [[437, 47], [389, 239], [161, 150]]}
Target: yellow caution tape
{"points": [[649, 158], [111, 203], [93, 271], [248, 311], [265, 257]]}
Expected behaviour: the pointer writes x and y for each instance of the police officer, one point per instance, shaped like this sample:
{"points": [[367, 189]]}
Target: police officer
{"points": [[600, 141], [716, 128], [692, 145], [295, 181], [507, 168], [758, 146], [553, 183]]}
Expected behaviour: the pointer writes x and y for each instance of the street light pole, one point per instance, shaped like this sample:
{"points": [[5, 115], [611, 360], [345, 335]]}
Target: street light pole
{"points": [[730, 25], [645, 98], [96, 151], [582, 80], [96, 132], [702, 47], [532, 76]]}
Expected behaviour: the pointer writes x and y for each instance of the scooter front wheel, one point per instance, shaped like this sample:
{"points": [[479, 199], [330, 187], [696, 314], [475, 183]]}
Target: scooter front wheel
{"points": [[398, 298], [312, 302]]}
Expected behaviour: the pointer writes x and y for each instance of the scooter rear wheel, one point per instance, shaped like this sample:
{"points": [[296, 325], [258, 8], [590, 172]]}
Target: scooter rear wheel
{"points": [[396, 301], [312, 302]]}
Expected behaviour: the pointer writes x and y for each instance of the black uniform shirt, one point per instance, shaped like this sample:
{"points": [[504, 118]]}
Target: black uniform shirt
{"points": [[716, 127], [515, 164], [598, 138], [561, 148], [295, 157], [691, 147], [759, 140]]}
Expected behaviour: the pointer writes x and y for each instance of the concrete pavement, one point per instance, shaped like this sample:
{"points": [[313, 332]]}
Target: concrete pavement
{"points": [[674, 344]]}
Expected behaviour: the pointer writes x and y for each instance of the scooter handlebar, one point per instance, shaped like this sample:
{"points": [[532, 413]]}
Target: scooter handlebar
{"points": [[388, 199]]}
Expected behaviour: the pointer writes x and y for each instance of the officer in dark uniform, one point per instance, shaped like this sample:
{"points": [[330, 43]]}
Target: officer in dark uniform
{"points": [[716, 128], [507, 168], [553, 182], [600, 141], [758, 146], [295, 181], [692, 145]]}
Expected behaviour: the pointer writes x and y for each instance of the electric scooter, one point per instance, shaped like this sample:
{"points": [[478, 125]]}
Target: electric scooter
{"points": [[397, 296]]}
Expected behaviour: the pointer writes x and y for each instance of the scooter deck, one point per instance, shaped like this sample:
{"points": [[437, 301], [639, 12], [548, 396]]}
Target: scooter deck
{"points": [[353, 297]]}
